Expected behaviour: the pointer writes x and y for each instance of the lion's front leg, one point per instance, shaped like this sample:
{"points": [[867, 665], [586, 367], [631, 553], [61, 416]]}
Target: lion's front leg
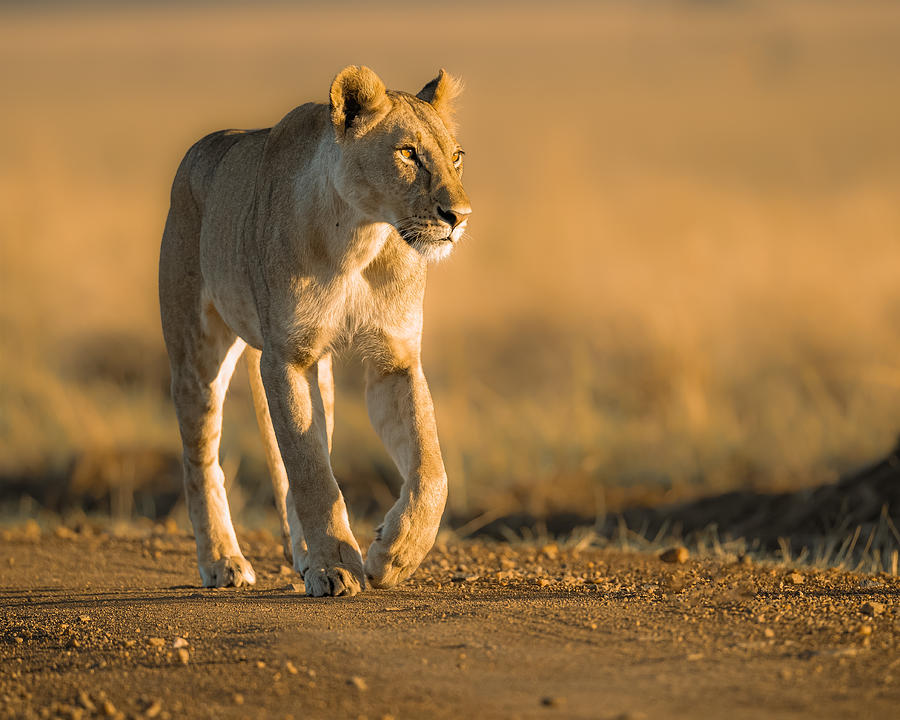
{"points": [[333, 563], [402, 413]]}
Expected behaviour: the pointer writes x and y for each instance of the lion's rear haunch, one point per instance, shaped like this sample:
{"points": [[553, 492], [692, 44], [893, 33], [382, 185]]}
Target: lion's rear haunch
{"points": [[278, 243]]}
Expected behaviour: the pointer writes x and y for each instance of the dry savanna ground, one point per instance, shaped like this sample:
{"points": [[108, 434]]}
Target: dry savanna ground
{"points": [[101, 623]]}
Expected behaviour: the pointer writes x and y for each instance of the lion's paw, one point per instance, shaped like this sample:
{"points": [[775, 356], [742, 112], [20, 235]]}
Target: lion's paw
{"points": [[337, 572], [336, 581], [385, 569], [227, 571]]}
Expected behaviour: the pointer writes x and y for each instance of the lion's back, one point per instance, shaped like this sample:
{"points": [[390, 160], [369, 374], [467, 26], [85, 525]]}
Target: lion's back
{"points": [[204, 163]]}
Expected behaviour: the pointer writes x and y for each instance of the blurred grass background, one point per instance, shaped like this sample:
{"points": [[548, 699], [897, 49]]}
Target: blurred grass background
{"points": [[683, 274]]}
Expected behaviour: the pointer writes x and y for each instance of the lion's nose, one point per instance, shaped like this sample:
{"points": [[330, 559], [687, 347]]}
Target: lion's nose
{"points": [[454, 216]]}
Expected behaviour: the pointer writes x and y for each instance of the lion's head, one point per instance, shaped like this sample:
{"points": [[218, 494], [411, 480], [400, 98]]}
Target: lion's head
{"points": [[400, 163]]}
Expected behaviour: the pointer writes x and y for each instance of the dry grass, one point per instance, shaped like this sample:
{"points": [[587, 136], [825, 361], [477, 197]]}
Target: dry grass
{"points": [[684, 263]]}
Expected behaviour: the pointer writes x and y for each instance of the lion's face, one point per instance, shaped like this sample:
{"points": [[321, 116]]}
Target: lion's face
{"points": [[400, 163]]}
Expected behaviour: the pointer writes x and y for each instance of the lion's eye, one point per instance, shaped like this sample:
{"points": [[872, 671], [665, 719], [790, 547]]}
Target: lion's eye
{"points": [[457, 158], [408, 153]]}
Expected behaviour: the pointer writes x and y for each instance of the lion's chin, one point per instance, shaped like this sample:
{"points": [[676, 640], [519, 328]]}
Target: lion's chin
{"points": [[433, 250]]}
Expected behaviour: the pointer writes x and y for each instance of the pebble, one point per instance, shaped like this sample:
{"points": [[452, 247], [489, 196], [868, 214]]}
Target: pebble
{"points": [[156, 641], [552, 701], [238, 699], [795, 578], [290, 667], [872, 608], [675, 555], [85, 701], [154, 709], [359, 683], [285, 570], [109, 709], [179, 642], [183, 655]]}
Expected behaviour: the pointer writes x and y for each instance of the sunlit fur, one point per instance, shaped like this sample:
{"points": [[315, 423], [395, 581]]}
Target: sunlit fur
{"points": [[284, 242]]}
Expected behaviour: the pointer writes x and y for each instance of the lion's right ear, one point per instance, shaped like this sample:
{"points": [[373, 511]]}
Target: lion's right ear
{"points": [[442, 93], [358, 99]]}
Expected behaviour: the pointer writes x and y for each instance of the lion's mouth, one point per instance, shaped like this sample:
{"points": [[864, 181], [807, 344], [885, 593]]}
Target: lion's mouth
{"points": [[414, 238]]}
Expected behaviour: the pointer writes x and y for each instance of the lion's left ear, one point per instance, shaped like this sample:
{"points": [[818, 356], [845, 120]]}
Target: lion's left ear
{"points": [[358, 99], [441, 94]]}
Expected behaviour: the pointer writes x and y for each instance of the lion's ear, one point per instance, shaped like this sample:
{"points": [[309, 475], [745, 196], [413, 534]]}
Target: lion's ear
{"points": [[441, 93], [358, 98]]}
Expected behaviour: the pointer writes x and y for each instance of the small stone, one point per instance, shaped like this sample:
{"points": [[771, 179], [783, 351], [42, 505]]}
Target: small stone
{"points": [[552, 701], [31, 530], [109, 709], [544, 582], [64, 533], [179, 642], [183, 655], [285, 570], [260, 664], [85, 701], [769, 633], [154, 709], [359, 683], [290, 667], [872, 608], [551, 550], [238, 699], [795, 578], [865, 630], [156, 642], [19, 640], [675, 555]]}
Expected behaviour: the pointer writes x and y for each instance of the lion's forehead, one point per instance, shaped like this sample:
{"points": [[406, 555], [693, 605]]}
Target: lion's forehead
{"points": [[414, 119]]}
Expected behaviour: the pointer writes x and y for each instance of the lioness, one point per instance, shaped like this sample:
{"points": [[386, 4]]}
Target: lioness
{"points": [[279, 242]]}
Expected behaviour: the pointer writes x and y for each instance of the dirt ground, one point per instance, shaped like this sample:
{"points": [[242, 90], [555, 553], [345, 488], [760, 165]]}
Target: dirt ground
{"points": [[96, 623]]}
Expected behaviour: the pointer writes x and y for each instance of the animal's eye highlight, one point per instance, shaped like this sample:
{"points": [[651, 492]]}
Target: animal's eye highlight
{"points": [[407, 153], [457, 158]]}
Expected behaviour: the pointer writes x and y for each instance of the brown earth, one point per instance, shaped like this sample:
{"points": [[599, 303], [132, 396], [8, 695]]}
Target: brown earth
{"points": [[99, 622]]}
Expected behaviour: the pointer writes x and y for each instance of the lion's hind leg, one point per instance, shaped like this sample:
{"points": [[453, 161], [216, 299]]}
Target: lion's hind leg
{"points": [[203, 352]]}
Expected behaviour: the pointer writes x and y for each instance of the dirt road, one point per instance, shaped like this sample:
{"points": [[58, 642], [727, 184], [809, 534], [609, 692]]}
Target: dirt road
{"points": [[94, 624]]}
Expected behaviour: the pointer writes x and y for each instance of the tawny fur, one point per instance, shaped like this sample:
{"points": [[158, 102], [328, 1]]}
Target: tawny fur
{"points": [[278, 243]]}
